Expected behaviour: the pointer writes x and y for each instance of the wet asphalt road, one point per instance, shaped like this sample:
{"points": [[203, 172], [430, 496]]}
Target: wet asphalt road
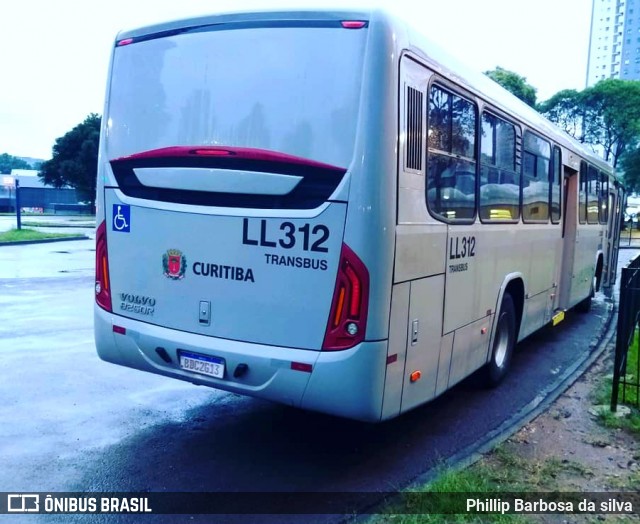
{"points": [[71, 422]]}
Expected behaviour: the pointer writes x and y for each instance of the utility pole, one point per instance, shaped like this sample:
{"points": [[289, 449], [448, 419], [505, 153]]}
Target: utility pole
{"points": [[18, 203]]}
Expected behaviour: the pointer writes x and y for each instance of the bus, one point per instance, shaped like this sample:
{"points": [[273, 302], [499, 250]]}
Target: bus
{"points": [[323, 209]]}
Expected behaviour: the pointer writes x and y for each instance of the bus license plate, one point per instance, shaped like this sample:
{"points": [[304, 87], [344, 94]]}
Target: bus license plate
{"points": [[203, 364]]}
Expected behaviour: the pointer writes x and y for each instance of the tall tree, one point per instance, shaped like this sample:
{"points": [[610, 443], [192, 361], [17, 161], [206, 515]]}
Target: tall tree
{"points": [[75, 159], [514, 83], [630, 163], [566, 110], [605, 116], [612, 109], [9, 162]]}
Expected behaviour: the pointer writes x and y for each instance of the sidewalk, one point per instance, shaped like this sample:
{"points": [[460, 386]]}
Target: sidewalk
{"points": [[56, 259]]}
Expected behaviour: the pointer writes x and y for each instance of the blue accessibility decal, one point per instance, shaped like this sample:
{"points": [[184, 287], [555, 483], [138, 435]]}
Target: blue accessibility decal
{"points": [[121, 218]]}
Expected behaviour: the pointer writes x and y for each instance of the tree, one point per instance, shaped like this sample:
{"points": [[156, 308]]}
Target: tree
{"points": [[565, 109], [514, 83], [606, 116], [75, 159], [9, 162], [630, 163], [612, 109]]}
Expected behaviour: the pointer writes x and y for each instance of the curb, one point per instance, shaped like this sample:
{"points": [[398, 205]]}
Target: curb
{"points": [[474, 452], [43, 241], [61, 226]]}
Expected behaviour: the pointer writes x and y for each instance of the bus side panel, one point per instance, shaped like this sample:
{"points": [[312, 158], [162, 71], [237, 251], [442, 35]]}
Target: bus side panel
{"points": [[423, 344], [544, 242], [419, 251], [470, 348], [444, 363], [536, 309], [349, 383], [396, 353], [371, 213], [544, 249], [472, 272], [588, 242]]}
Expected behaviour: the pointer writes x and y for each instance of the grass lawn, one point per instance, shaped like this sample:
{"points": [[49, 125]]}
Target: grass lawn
{"points": [[23, 235]]}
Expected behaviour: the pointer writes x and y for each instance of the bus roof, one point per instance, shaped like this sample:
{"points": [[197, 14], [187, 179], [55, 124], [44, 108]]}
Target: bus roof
{"points": [[492, 92], [409, 37], [248, 16]]}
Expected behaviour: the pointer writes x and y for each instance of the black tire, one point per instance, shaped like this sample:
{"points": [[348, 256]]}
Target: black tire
{"points": [[504, 341], [585, 305]]}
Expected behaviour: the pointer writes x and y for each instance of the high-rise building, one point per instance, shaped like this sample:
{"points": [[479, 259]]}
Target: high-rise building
{"points": [[614, 44]]}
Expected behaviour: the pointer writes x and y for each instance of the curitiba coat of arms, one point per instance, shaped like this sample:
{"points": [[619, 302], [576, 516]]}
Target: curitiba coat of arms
{"points": [[174, 264]]}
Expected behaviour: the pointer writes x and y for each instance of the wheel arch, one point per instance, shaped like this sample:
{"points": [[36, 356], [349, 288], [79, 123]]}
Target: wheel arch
{"points": [[513, 284], [599, 269]]}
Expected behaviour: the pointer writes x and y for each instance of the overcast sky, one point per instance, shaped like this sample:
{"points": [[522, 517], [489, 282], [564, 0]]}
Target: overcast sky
{"points": [[55, 53]]}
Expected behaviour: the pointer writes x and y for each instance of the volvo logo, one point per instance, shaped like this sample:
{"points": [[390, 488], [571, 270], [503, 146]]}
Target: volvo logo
{"points": [[137, 304]]}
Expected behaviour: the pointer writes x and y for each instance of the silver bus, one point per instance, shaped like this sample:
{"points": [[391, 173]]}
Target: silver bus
{"points": [[323, 209]]}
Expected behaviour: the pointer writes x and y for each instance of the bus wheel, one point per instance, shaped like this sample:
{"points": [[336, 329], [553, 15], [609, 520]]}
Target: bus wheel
{"points": [[504, 341], [585, 305]]}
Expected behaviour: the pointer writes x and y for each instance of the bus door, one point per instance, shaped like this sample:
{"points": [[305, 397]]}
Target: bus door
{"points": [[613, 238], [569, 235]]}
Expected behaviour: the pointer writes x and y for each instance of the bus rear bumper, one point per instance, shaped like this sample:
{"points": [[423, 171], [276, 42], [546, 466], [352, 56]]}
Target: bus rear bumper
{"points": [[268, 372], [346, 383]]}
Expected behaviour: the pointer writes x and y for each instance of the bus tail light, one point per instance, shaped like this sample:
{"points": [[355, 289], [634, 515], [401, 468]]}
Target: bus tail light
{"points": [[347, 321], [353, 24], [103, 290]]}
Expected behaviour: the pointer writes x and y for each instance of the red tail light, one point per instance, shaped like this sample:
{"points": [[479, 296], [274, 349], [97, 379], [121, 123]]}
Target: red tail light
{"points": [[353, 24], [103, 289], [348, 317]]}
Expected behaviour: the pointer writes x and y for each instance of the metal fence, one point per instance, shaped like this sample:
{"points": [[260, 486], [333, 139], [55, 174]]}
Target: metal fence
{"points": [[628, 318], [44, 198], [630, 236]]}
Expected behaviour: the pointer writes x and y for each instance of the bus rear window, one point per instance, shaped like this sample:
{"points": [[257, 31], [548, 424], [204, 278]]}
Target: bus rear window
{"points": [[294, 90]]}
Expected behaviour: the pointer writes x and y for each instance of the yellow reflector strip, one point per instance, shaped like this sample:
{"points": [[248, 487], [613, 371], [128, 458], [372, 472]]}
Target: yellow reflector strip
{"points": [[336, 319], [558, 317], [105, 275]]}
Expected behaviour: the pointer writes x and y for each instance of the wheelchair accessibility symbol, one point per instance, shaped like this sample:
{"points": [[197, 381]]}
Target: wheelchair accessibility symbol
{"points": [[121, 218]]}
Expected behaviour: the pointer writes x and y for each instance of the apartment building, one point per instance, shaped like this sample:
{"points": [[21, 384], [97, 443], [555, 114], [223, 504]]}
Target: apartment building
{"points": [[614, 46]]}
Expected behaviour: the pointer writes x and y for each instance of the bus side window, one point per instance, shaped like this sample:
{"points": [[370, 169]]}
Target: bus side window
{"points": [[535, 178], [499, 182], [556, 186], [583, 193], [593, 190], [604, 198], [451, 177]]}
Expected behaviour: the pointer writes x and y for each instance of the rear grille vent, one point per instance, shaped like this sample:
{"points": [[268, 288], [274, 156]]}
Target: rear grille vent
{"points": [[414, 129]]}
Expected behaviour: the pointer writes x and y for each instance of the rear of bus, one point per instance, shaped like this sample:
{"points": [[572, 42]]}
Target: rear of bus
{"points": [[227, 161]]}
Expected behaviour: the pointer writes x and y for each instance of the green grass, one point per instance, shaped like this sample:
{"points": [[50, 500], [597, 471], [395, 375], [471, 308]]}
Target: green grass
{"points": [[502, 471], [24, 235], [630, 422], [30, 223], [413, 508], [628, 392]]}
